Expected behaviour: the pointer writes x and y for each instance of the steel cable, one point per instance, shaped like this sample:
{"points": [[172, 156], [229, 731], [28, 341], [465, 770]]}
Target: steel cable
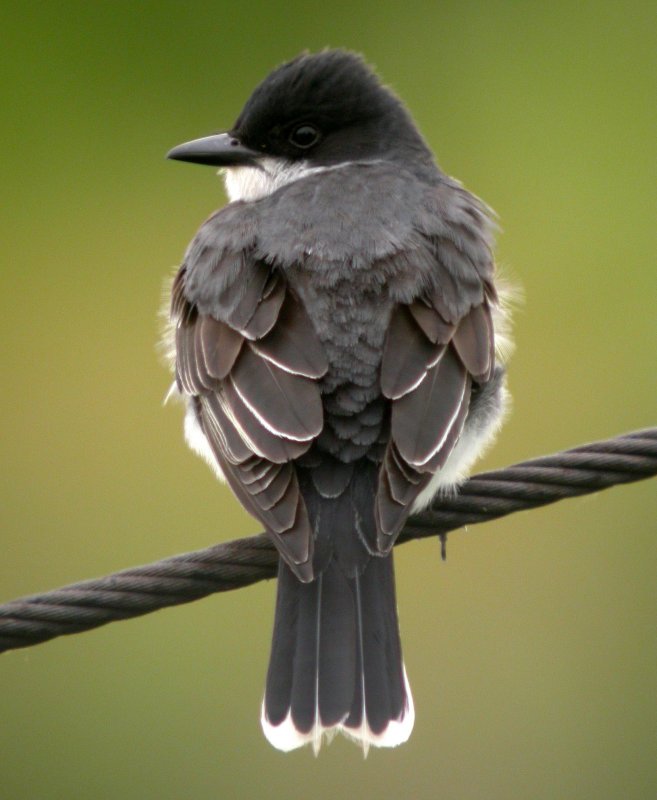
{"points": [[231, 565]]}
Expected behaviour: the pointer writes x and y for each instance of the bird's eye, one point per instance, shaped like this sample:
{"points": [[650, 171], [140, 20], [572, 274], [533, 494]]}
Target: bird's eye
{"points": [[304, 136]]}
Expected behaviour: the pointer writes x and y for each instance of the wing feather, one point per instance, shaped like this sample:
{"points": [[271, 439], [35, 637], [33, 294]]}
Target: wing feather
{"points": [[260, 439], [266, 313], [388, 511], [402, 489], [410, 475], [220, 345], [437, 345], [239, 300], [422, 419], [278, 504], [406, 355], [292, 344], [433, 325], [248, 359], [191, 371], [223, 432], [258, 483], [472, 341], [288, 405], [270, 496], [206, 379]]}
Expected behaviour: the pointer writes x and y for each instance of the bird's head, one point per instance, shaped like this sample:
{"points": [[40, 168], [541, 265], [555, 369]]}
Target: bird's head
{"points": [[315, 112]]}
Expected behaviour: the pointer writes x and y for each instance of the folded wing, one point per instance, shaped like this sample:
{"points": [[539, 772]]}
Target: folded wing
{"points": [[249, 365], [434, 351]]}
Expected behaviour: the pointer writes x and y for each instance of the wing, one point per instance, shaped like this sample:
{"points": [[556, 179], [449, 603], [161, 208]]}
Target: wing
{"points": [[437, 347], [248, 359]]}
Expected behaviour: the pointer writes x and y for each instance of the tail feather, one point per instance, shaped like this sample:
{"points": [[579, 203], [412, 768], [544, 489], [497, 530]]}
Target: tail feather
{"points": [[336, 662], [336, 648], [281, 659], [380, 658]]}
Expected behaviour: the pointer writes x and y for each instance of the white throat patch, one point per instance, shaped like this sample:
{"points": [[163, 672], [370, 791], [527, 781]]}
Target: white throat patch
{"points": [[253, 183]]}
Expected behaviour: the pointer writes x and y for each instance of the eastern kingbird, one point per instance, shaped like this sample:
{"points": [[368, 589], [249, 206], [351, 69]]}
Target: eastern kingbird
{"points": [[337, 335]]}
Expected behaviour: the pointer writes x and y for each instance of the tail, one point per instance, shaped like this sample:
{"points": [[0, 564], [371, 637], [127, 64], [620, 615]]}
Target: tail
{"points": [[336, 661]]}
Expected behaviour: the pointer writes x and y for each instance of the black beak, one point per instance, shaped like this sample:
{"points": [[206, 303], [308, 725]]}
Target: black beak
{"points": [[221, 150]]}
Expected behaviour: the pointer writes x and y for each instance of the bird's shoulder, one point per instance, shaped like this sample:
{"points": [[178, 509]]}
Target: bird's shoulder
{"points": [[359, 214]]}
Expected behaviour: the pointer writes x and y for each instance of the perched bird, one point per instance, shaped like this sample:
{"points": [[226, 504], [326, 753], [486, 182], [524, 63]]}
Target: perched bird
{"points": [[335, 329]]}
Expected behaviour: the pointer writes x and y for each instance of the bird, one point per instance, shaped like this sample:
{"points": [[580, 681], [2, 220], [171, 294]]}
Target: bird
{"points": [[338, 334]]}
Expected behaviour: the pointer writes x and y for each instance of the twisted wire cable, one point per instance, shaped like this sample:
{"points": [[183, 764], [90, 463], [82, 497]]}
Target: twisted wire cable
{"points": [[231, 565]]}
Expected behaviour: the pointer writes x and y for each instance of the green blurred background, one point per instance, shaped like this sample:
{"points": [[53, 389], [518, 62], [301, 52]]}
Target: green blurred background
{"points": [[532, 651]]}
